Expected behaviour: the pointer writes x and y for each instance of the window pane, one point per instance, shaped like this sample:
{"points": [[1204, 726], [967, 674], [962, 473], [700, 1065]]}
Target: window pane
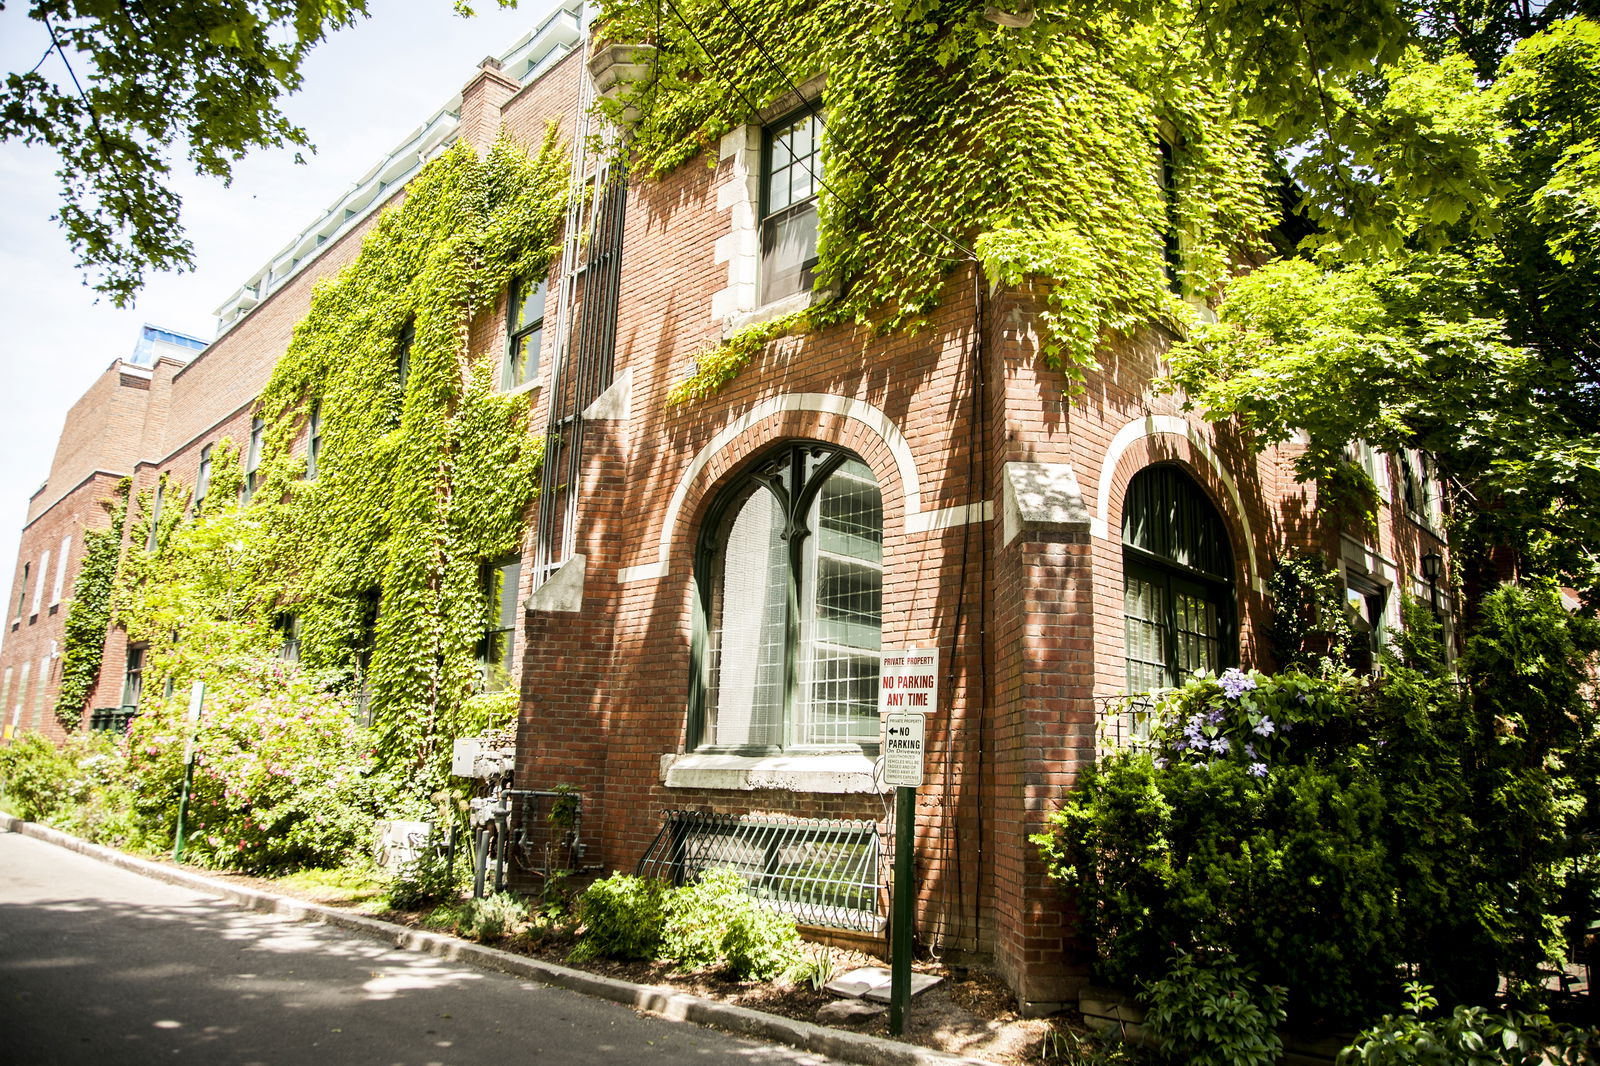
{"points": [[529, 307], [1144, 608], [842, 623], [748, 629], [1199, 633], [788, 252]]}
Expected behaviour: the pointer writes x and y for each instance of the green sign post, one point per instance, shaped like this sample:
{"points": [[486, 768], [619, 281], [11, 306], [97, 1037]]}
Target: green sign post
{"points": [[908, 692], [197, 696]]}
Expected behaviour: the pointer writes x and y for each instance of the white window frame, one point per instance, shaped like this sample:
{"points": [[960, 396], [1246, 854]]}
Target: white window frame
{"points": [[61, 570]]}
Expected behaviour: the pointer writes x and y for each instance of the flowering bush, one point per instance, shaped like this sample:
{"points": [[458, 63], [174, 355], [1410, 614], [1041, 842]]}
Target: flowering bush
{"points": [[1233, 836], [282, 775], [1326, 830]]}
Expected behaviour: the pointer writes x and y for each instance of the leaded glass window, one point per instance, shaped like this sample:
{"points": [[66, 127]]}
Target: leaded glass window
{"points": [[791, 606]]}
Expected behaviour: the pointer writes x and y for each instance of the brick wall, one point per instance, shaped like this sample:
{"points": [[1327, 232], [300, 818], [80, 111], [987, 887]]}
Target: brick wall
{"points": [[1030, 626]]}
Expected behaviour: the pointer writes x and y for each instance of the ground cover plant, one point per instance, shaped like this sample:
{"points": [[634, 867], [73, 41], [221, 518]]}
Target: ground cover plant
{"points": [[709, 923]]}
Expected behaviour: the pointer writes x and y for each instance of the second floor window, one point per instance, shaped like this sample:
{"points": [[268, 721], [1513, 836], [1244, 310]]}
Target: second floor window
{"points": [[252, 463], [202, 480], [524, 332], [791, 174], [314, 440], [133, 676]]}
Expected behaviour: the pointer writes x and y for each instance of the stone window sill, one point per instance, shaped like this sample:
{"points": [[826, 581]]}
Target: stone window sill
{"points": [[833, 772], [787, 305]]}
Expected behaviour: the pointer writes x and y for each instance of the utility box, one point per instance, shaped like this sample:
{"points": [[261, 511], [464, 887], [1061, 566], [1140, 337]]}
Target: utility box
{"points": [[464, 756]]}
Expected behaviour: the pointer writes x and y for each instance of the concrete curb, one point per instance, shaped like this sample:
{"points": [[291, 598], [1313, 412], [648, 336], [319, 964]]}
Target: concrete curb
{"points": [[664, 1002]]}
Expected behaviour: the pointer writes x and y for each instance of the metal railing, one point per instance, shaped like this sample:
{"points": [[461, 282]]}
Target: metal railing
{"points": [[824, 872], [111, 719]]}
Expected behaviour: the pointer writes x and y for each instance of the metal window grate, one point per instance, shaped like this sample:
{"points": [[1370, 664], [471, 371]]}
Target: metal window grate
{"points": [[111, 719], [823, 872]]}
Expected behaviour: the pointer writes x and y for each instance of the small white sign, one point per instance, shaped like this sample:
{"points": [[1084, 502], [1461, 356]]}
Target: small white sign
{"points": [[903, 736], [908, 680]]}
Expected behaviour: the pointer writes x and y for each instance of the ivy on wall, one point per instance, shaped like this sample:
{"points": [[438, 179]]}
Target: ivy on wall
{"points": [[424, 471], [1037, 149], [89, 613]]}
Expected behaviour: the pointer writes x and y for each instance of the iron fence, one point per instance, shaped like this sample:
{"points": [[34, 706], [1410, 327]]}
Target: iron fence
{"points": [[111, 719], [824, 872]]}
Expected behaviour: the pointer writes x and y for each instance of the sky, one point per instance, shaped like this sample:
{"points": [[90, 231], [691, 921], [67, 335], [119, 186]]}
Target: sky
{"points": [[365, 90]]}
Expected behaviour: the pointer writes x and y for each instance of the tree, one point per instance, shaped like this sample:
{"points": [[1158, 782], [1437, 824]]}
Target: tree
{"points": [[138, 85], [1469, 327]]}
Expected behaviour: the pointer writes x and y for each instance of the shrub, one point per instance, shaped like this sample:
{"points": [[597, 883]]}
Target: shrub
{"points": [[78, 786], [1267, 848], [1467, 1035], [714, 922], [1210, 1011], [425, 881], [483, 919], [283, 775], [1326, 829], [38, 778], [621, 917]]}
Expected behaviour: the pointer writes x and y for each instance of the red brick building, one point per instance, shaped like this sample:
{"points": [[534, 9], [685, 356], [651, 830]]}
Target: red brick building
{"points": [[707, 587]]}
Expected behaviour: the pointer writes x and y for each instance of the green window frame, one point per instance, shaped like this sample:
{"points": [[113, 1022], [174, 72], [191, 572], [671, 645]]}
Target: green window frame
{"points": [[524, 332], [789, 607], [1179, 611], [497, 651]]}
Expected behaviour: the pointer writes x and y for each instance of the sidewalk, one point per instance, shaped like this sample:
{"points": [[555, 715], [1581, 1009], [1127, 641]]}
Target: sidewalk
{"points": [[662, 1002]]}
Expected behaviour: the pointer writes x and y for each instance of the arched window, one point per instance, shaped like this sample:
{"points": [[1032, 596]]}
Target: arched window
{"points": [[790, 607], [1177, 581]]}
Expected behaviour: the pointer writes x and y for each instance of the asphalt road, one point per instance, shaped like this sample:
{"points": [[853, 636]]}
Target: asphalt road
{"points": [[102, 967]]}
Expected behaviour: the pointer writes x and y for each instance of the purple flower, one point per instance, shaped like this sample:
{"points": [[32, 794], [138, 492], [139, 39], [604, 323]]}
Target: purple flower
{"points": [[1257, 769], [1249, 749], [1161, 764], [1265, 728], [1235, 683], [1214, 716], [1221, 745]]}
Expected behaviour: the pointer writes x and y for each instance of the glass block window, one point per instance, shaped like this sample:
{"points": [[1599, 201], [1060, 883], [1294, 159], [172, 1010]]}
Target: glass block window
{"points": [[791, 584], [791, 177], [1177, 586], [525, 332]]}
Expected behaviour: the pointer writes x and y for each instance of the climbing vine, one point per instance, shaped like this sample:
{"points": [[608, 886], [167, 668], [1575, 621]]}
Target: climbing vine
{"points": [[424, 471], [89, 613], [1037, 150]]}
